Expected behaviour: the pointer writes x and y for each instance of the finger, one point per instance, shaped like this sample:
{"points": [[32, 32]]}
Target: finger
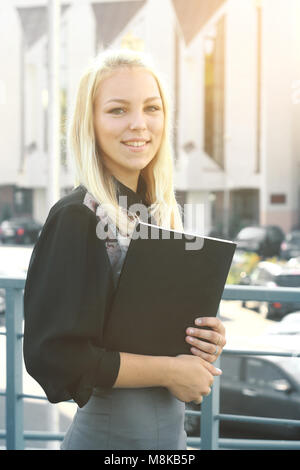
{"points": [[198, 402], [211, 322], [204, 346], [215, 371], [207, 392], [207, 357], [208, 335]]}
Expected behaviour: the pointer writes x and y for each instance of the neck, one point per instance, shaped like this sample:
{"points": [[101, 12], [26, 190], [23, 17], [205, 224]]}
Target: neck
{"points": [[131, 180]]}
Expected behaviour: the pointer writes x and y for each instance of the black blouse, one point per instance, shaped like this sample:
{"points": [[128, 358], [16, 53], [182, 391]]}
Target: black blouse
{"points": [[68, 293]]}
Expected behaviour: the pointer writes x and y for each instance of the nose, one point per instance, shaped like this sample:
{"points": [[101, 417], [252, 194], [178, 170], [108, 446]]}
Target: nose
{"points": [[137, 121]]}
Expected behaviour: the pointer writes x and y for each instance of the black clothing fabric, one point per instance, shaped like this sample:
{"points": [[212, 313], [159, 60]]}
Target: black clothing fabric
{"points": [[67, 297], [133, 198]]}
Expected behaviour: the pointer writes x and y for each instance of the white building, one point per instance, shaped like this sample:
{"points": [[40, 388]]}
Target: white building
{"points": [[234, 71], [242, 149]]}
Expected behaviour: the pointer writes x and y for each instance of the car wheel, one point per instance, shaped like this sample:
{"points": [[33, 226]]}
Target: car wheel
{"points": [[264, 309]]}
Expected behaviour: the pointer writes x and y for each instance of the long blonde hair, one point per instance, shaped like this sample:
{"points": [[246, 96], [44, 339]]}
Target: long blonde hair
{"points": [[89, 167]]}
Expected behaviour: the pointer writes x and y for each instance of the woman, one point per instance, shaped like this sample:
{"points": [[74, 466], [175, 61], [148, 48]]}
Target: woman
{"points": [[119, 136]]}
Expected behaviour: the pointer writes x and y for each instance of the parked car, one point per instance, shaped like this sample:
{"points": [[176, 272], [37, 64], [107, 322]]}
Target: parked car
{"points": [[20, 230], [289, 325], [263, 240], [267, 274], [290, 247], [262, 386]]}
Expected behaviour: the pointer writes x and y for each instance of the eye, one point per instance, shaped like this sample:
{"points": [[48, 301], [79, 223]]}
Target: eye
{"points": [[117, 111], [153, 108]]}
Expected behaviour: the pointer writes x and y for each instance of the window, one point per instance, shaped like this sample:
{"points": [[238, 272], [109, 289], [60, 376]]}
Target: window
{"points": [[262, 374], [259, 85], [214, 49], [278, 198]]}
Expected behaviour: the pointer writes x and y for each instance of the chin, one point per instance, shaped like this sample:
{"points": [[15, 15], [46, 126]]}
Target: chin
{"points": [[138, 166]]}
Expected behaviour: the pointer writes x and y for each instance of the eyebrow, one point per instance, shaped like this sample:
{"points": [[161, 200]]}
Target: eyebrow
{"points": [[119, 100]]}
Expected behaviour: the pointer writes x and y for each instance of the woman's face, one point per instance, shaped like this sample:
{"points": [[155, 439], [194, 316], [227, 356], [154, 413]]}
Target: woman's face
{"points": [[128, 121]]}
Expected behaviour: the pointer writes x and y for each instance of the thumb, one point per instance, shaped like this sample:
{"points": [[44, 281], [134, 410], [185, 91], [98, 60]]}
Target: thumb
{"points": [[211, 368]]}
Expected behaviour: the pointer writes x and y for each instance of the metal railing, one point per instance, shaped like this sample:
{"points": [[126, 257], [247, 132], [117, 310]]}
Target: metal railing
{"points": [[210, 414]]}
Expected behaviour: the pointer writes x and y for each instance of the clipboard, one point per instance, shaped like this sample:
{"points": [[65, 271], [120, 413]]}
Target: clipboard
{"points": [[168, 279]]}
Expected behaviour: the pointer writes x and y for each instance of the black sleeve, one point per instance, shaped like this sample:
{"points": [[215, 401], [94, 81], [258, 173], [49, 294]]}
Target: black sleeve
{"points": [[62, 323]]}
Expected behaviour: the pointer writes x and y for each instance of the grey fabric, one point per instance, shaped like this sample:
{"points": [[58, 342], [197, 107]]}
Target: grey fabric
{"points": [[135, 419]]}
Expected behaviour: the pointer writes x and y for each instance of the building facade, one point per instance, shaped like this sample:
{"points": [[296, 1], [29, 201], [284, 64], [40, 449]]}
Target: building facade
{"points": [[234, 74]]}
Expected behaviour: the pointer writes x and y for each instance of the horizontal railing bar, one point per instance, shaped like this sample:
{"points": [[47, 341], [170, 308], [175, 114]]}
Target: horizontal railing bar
{"points": [[43, 436], [262, 444], [191, 441], [192, 413], [33, 397], [39, 397], [266, 444], [231, 291], [249, 419], [19, 336], [257, 419], [244, 352], [38, 435], [14, 282], [263, 294], [194, 442]]}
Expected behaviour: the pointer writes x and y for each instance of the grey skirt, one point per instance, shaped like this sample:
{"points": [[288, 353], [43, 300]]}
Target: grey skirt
{"points": [[135, 419]]}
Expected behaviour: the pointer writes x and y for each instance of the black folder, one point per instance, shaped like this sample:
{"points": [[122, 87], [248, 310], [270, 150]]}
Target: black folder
{"points": [[168, 279]]}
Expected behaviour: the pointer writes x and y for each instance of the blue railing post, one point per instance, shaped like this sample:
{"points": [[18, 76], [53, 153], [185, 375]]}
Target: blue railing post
{"points": [[209, 410], [210, 407], [14, 369]]}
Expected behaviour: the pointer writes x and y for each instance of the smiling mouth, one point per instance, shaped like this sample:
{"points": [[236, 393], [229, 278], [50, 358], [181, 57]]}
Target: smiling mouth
{"points": [[135, 143]]}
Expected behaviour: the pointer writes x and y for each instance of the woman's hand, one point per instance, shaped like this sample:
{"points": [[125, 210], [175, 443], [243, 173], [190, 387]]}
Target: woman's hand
{"points": [[209, 351], [189, 378]]}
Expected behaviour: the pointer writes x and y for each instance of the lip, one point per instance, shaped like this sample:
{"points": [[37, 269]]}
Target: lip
{"points": [[135, 139], [136, 149]]}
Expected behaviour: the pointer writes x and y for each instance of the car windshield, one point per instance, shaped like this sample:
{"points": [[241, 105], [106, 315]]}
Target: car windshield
{"points": [[251, 232]]}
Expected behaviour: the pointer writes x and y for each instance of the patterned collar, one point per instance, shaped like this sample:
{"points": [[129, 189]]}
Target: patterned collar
{"points": [[132, 198]]}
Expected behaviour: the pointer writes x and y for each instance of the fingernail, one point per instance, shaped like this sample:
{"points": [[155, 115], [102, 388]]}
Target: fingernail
{"points": [[198, 321], [219, 370], [190, 331]]}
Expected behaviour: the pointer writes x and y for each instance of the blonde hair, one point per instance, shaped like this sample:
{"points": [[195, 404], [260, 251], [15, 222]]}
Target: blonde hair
{"points": [[89, 168]]}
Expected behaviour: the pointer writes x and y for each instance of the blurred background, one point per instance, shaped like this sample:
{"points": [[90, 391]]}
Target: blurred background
{"points": [[233, 69]]}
